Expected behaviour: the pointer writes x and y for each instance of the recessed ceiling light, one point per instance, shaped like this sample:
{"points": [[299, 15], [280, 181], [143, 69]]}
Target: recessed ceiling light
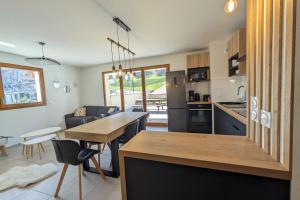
{"points": [[7, 44], [230, 6]]}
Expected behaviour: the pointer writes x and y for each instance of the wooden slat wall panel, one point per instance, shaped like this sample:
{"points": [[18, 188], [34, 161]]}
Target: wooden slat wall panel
{"points": [[267, 66], [252, 59], [270, 67], [288, 79], [248, 66], [276, 78], [259, 67]]}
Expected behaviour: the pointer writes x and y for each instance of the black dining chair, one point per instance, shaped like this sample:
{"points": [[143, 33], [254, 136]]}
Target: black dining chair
{"points": [[138, 110], [142, 123], [70, 153], [129, 132]]}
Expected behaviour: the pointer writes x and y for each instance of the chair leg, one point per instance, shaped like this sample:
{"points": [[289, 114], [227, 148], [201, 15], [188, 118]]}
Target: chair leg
{"points": [[103, 146], [31, 148], [42, 147], [99, 149], [27, 151], [61, 179], [82, 171], [40, 153], [80, 186], [97, 167]]}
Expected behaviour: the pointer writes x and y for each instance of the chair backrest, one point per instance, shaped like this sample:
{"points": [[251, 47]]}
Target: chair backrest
{"points": [[138, 110], [66, 151], [130, 131], [142, 123]]}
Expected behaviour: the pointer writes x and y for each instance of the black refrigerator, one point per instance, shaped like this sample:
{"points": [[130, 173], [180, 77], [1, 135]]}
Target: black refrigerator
{"points": [[176, 101]]}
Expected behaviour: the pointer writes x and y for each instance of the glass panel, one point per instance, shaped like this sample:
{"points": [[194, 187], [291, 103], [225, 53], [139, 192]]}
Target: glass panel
{"points": [[156, 95], [20, 86], [133, 92], [112, 90]]}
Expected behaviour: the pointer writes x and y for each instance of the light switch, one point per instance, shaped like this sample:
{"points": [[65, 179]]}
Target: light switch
{"points": [[254, 109], [265, 118]]}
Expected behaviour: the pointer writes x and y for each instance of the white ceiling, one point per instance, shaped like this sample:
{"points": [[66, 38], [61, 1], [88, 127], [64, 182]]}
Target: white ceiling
{"points": [[76, 30]]}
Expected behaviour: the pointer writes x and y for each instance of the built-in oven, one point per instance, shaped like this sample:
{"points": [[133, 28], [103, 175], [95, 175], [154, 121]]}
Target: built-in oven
{"points": [[200, 118]]}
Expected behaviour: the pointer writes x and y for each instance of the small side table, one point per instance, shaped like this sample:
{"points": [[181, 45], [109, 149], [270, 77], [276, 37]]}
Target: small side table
{"points": [[3, 142]]}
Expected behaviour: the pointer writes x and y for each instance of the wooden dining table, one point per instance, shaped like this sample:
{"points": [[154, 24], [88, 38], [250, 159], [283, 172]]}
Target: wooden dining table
{"points": [[104, 130]]}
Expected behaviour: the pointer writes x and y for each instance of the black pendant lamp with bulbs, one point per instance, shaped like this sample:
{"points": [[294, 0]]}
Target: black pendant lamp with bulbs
{"points": [[117, 73]]}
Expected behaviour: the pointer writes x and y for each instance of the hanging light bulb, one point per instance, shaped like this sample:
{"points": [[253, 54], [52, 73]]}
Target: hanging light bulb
{"points": [[133, 73], [230, 6], [113, 62]]}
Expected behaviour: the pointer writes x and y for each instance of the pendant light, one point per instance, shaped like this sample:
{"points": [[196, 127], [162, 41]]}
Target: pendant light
{"points": [[114, 74], [126, 76], [120, 72], [42, 60], [230, 6]]}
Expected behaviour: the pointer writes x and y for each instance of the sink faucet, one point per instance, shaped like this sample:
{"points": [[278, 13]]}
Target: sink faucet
{"points": [[244, 95]]}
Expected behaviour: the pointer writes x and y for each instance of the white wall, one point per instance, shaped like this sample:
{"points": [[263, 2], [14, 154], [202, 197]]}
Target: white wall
{"points": [[19, 121], [222, 87], [91, 77], [296, 137]]}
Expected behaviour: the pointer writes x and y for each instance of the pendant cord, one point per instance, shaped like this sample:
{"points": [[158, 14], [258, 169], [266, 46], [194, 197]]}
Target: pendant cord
{"points": [[118, 45], [112, 54], [124, 58], [43, 50]]}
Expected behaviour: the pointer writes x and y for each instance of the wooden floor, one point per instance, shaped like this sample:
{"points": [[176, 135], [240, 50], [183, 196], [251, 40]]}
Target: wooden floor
{"points": [[94, 187]]}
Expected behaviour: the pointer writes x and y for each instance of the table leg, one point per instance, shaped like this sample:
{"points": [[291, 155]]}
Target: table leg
{"points": [[115, 158], [86, 164], [115, 173]]}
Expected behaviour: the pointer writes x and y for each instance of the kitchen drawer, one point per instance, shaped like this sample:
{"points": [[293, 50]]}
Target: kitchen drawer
{"points": [[227, 125]]}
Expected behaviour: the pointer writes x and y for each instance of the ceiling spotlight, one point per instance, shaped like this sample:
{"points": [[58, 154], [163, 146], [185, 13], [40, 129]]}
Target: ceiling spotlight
{"points": [[230, 6]]}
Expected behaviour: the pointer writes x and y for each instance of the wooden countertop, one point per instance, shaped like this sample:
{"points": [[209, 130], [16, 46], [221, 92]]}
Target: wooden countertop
{"points": [[219, 152], [230, 112], [198, 102]]}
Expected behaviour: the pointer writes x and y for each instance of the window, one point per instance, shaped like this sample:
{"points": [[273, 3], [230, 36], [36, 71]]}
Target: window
{"points": [[21, 86]]}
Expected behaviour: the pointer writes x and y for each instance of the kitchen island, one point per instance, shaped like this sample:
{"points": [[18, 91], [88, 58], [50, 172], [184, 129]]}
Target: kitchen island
{"points": [[159, 166]]}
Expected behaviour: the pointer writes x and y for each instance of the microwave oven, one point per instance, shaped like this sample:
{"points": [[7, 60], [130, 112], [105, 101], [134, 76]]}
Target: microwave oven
{"points": [[198, 74]]}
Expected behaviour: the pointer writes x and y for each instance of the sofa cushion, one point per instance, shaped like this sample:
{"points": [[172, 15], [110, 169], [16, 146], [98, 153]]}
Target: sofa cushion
{"points": [[80, 112], [92, 110], [102, 110]]}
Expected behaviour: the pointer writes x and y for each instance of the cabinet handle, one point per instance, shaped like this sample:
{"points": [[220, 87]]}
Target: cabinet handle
{"points": [[236, 128]]}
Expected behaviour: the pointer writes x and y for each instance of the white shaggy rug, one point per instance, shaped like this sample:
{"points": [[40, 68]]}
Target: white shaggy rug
{"points": [[23, 176]]}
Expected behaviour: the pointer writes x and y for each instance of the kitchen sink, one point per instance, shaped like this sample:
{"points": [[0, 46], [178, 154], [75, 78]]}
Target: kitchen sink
{"points": [[234, 104]]}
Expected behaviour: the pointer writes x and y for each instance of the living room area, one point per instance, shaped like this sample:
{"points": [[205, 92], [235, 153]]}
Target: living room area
{"points": [[110, 100]]}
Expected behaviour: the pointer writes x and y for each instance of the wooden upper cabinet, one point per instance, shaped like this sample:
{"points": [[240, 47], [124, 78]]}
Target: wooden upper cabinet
{"points": [[197, 60], [237, 44]]}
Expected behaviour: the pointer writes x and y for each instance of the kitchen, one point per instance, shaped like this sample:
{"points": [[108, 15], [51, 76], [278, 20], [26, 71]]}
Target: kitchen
{"points": [[197, 99]]}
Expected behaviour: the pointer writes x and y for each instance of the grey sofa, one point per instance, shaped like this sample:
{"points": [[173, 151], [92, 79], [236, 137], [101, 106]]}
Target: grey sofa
{"points": [[92, 113]]}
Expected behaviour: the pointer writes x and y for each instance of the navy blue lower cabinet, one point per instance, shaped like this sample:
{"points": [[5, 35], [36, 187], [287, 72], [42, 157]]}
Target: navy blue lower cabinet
{"points": [[151, 180], [226, 124]]}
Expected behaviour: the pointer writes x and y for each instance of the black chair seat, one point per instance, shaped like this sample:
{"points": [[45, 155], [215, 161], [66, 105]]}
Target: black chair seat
{"points": [[87, 154]]}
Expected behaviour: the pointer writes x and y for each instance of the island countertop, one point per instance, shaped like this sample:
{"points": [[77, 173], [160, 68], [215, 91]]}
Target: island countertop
{"points": [[219, 152]]}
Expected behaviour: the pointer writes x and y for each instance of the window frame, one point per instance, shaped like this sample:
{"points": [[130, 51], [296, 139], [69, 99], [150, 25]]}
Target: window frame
{"points": [[23, 105]]}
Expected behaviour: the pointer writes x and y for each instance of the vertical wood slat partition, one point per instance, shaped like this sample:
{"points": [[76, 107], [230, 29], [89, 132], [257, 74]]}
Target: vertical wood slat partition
{"points": [[270, 65]]}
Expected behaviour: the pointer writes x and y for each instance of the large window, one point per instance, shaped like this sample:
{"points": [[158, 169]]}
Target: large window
{"points": [[147, 91], [21, 86]]}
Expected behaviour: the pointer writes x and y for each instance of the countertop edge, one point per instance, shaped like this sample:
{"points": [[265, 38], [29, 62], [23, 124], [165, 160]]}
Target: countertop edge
{"points": [[262, 172], [235, 115]]}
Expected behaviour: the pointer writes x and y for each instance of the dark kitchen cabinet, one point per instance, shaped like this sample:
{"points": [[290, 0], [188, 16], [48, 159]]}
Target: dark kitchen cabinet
{"points": [[226, 124]]}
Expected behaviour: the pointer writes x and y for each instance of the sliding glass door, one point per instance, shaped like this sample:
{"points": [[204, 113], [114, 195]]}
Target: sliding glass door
{"points": [[133, 92], [145, 91], [156, 94]]}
